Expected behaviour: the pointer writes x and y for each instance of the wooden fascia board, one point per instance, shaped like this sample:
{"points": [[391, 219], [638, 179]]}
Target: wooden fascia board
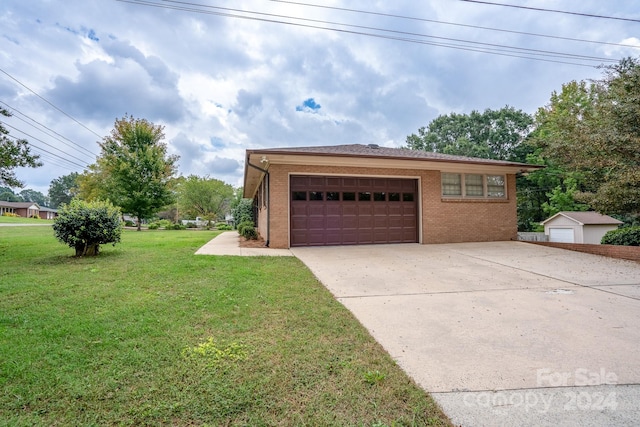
{"points": [[391, 163]]}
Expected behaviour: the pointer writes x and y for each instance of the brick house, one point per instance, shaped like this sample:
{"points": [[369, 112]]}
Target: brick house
{"points": [[23, 209], [48, 213], [366, 194]]}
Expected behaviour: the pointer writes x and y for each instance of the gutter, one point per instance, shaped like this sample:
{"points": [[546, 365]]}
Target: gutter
{"points": [[268, 185]]}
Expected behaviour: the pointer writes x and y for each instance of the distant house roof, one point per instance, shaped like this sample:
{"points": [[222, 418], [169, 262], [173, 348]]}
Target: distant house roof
{"points": [[46, 209], [586, 218], [20, 205]]}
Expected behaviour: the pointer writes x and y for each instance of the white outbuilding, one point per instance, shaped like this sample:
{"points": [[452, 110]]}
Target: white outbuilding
{"points": [[578, 227]]}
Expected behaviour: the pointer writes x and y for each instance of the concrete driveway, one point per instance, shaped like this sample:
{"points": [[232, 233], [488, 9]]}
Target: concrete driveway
{"points": [[504, 333]]}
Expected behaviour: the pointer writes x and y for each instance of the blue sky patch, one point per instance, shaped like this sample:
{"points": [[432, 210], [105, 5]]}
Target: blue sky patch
{"points": [[309, 106], [92, 36]]}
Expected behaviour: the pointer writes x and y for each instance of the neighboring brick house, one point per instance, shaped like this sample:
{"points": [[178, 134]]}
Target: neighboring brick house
{"points": [[366, 194], [48, 213], [23, 209]]}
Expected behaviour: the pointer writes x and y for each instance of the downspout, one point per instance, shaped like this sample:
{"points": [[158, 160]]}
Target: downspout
{"points": [[266, 176]]}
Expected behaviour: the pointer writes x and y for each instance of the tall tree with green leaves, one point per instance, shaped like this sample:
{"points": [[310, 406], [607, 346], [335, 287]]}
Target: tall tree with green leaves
{"points": [[594, 130], [29, 195], [134, 170], [63, 189], [205, 197], [14, 153], [492, 134]]}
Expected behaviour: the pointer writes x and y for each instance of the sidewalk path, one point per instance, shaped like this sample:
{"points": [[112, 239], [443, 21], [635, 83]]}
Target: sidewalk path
{"points": [[228, 243]]}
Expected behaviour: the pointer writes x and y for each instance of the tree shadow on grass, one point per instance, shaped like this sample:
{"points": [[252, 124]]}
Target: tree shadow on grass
{"points": [[70, 258]]}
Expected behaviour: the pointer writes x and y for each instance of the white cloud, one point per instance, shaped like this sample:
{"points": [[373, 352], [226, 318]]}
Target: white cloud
{"points": [[221, 85]]}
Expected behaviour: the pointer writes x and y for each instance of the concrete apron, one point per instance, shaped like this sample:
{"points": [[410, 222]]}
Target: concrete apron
{"points": [[499, 333]]}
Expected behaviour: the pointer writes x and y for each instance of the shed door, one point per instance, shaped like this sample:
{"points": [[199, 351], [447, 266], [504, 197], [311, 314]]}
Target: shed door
{"points": [[561, 235], [329, 210]]}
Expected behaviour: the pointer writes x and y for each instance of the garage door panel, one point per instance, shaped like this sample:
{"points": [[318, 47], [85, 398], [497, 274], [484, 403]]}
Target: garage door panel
{"points": [[298, 209], [365, 222], [365, 209], [349, 209], [350, 223], [333, 209], [333, 223], [316, 223], [380, 209], [561, 235], [408, 209], [315, 209], [352, 210], [365, 237]]}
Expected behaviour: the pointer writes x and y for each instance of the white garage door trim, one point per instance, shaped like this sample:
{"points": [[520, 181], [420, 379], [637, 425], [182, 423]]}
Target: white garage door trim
{"points": [[561, 235]]}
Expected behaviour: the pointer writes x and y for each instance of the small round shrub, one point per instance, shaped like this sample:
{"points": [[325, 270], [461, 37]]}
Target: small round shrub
{"points": [[247, 230], [243, 225], [223, 226], [85, 226], [192, 225], [163, 223], [250, 233], [628, 236], [174, 226], [153, 226]]}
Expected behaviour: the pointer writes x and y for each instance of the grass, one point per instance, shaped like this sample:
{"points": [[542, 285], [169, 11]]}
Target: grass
{"points": [[149, 334], [20, 220]]}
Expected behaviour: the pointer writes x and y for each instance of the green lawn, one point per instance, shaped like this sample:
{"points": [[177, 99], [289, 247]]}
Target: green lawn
{"points": [[20, 220], [149, 334]]}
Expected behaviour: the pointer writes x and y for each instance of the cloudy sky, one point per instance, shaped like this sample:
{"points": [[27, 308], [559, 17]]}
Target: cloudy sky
{"points": [[223, 76]]}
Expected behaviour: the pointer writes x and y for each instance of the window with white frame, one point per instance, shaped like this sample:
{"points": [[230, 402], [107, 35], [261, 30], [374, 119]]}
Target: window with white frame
{"points": [[496, 186], [451, 184], [456, 185], [473, 185]]}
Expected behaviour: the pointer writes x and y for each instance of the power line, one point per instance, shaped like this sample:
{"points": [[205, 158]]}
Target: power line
{"points": [[491, 46], [504, 51], [53, 155], [48, 102], [48, 145], [14, 110], [539, 9], [390, 15]]}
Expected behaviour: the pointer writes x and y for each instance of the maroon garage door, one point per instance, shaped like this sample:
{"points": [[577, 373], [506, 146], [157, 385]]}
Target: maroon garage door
{"points": [[353, 210]]}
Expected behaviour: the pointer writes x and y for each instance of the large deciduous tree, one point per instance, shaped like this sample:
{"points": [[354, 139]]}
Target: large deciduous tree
{"points": [[134, 170], [63, 189], [13, 154], [29, 195], [594, 130], [492, 134], [204, 197]]}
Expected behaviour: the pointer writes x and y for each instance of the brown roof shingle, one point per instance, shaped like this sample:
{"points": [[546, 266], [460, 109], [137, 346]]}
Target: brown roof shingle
{"points": [[374, 150], [593, 218]]}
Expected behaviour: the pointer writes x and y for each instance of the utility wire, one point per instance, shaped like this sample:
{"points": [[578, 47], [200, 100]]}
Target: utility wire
{"points": [[29, 124], [404, 33], [390, 15], [504, 52], [56, 156], [48, 145], [14, 110], [48, 102], [539, 9]]}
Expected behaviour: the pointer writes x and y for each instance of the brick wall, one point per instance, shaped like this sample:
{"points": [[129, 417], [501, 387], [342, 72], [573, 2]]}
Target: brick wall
{"points": [[444, 221], [612, 251], [463, 220]]}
